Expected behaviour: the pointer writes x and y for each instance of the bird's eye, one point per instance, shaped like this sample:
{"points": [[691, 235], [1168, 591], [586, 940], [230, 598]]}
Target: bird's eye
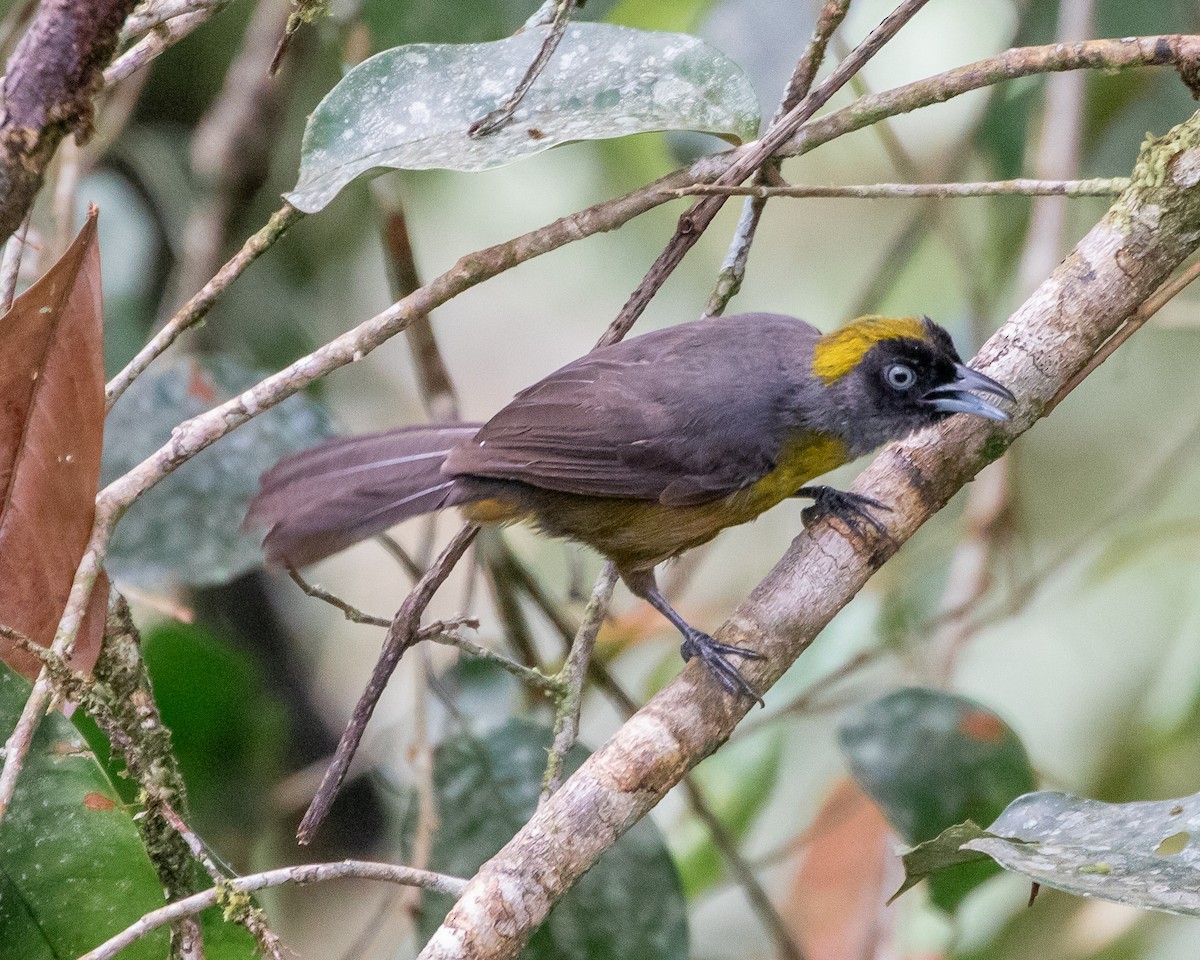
{"points": [[900, 377]]}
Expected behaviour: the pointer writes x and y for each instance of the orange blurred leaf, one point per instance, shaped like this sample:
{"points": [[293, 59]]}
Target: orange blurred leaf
{"points": [[51, 431], [837, 903]]}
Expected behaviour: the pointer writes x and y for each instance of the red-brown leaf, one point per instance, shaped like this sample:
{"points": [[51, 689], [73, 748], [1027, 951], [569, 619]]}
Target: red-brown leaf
{"points": [[837, 904], [51, 430]]}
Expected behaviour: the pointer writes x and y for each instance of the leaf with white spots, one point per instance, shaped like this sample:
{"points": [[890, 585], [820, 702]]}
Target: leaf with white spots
{"points": [[1143, 854], [188, 529], [410, 107], [73, 871]]}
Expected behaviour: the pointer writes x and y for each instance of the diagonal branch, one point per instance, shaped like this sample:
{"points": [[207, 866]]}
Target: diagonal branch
{"points": [[1155, 225]]}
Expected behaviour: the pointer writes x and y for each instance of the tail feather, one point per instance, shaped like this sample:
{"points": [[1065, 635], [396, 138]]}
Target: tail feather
{"points": [[323, 500]]}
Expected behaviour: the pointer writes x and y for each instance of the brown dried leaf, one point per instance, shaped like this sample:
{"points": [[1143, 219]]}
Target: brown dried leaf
{"points": [[51, 430], [837, 903]]}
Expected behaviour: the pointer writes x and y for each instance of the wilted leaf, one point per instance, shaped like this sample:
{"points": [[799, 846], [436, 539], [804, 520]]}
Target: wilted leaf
{"points": [[1142, 854], [73, 871], [835, 906], [52, 396], [932, 759], [188, 528], [627, 907], [410, 107]]}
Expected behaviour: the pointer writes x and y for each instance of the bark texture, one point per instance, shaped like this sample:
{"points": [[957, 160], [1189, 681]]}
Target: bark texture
{"points": [[1146, 234], [49, 85]]}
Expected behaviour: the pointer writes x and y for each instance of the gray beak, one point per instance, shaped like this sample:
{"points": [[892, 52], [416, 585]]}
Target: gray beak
{"points": [[955, 397]]}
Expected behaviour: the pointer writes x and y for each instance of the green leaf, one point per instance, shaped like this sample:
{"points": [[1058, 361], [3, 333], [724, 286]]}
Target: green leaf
{"points": [[410, 107], [1141, 854], [73, 871], [628, 907], [224, 940], [932, 759], [188, 529], [944, 852], [227, 733]]}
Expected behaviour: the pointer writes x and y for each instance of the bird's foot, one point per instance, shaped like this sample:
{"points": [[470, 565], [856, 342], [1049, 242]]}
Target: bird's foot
{"points": [[853, 509], [712, 653]]}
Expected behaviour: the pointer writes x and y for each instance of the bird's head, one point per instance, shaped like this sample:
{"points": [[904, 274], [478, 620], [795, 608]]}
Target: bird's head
{"points": [[891, 376]]}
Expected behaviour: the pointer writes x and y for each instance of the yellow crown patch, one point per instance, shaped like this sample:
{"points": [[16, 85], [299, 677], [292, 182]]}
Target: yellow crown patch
{"points": [[839, 352]]}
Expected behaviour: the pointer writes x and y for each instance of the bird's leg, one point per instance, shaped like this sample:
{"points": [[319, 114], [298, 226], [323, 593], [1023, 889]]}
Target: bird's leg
{"points": [[696, 643], [853, 509]]}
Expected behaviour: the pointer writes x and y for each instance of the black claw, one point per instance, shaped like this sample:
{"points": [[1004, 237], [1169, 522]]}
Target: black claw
{"points": [[712, 654], [853, 509]]}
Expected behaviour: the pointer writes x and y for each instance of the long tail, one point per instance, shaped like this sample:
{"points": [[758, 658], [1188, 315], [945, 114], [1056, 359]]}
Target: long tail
{"points": [[322, 500]]}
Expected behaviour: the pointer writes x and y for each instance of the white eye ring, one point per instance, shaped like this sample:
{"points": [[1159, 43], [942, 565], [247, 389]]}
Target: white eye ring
{"points": [[900, 377]]}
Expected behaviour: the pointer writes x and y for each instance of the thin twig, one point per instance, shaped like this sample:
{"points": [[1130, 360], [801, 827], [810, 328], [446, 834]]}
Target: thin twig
{"points": [[733, 269], [693, 223], [231, 150], [433, 373], [573, 675], [351, 612], [1096, 187], [199, 305], [725, 843], [421, 760], [300, 876], [494, 120], [445, 632], [151, 13], [403, 633], [10, 270], [159, 39], [400, 555]]}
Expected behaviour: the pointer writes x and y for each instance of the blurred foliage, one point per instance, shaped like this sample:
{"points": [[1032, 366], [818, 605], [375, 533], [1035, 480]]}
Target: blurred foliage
{"points": [[1087, 640], [227, 735], [629, 906], [188, 529], [931, 760]]}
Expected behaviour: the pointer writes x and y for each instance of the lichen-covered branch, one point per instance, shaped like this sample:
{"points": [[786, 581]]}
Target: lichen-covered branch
{"points": [[299, 876], [1146, 234]]}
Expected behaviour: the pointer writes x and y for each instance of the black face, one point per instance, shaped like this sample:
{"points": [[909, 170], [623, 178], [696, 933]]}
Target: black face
{"points": [[902, 372], [905, 384]]}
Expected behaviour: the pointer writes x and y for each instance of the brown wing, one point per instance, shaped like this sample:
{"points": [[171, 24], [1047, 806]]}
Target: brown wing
{"points": [[683, 415]]}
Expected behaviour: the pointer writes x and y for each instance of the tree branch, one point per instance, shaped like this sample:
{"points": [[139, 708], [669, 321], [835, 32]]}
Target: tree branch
{"points": [[49, 84], [1021, 187], [300, 876], [1155, 225]]}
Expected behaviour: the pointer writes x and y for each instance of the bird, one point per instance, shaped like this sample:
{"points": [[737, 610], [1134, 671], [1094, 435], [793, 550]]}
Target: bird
{"points": [[646, 448]]}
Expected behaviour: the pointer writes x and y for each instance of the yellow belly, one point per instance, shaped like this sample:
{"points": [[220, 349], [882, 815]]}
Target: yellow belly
{"points": [[641, 533]]}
